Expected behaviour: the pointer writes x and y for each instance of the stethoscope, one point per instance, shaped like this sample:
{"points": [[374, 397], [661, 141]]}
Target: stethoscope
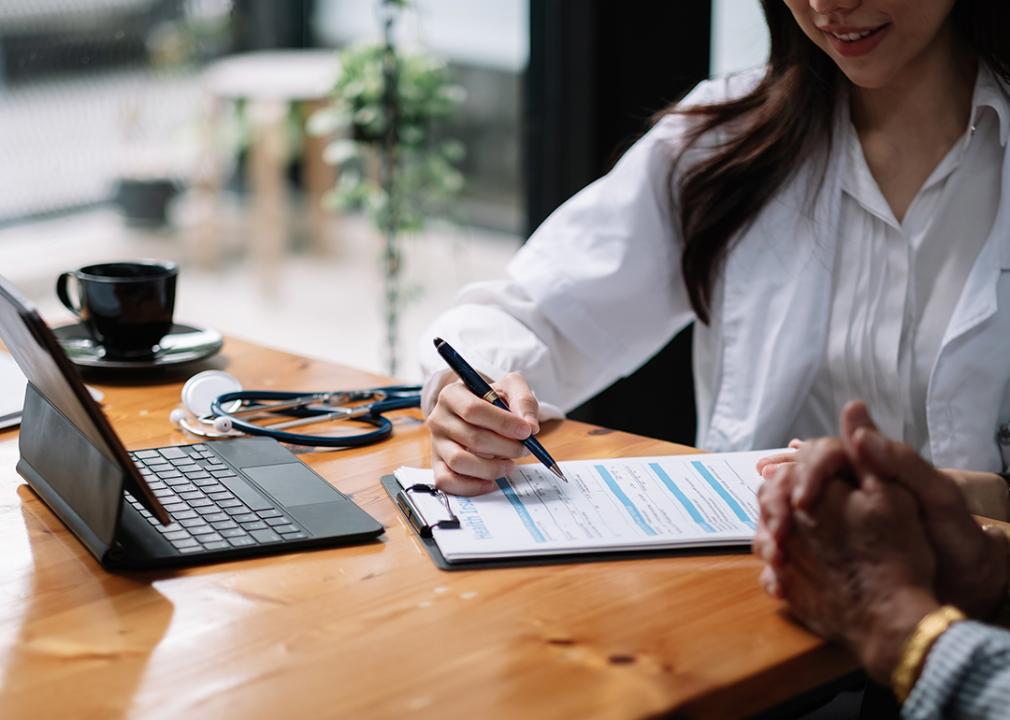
{"points": [[215, 407]]}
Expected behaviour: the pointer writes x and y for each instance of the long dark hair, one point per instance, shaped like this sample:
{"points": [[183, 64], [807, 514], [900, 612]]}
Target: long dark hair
{"points": [[787, 116]]}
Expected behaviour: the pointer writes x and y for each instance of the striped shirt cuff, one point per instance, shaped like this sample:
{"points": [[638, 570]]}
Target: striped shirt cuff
{"points": [[967, 675]]}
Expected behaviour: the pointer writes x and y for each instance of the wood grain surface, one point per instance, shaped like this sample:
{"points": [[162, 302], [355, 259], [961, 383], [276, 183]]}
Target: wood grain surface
{"points": [[376, 630]]}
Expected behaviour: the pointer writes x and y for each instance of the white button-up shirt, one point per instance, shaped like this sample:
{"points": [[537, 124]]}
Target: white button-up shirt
{"points": [[895, 283], [598, 289]]}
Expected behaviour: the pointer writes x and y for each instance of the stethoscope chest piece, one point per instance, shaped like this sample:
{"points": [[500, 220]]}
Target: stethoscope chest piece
{"points": [[205, 387]]}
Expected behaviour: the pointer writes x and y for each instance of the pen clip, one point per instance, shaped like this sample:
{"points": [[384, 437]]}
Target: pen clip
{"points": [[422, 524]]}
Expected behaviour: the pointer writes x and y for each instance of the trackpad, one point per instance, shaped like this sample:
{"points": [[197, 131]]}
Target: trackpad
{"points": [[293, 484]]}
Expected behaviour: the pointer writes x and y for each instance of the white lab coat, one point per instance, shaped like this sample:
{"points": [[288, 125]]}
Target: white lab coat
{"points": [[598, 289]]}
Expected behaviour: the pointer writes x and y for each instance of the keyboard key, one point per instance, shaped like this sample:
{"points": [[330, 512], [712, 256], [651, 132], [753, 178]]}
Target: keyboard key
{"points": [[171, 452], [176, 482], [201, 502], [185, 543], [219, 496], [279, 520], [190, 549], [163, 492], [176, 507], [185, 515], [160, 467], [296, 536], [216, 545], [286, 529], [271, 513], [168, 475], [200, 447], [188, 467], [201, 479], [146, 454], [191, 495], [222, 472], [258, 525], [208, 510], [265, 536], [224, 524], [171, 527], [194, 524], [156, 484], [184, 460], [177, 535], [230, 503], [241, 541], [239, 510], [245, 517], [233, 532], [249, 496], [209, 537], [216, 517], [216, 487], [144, 472]]}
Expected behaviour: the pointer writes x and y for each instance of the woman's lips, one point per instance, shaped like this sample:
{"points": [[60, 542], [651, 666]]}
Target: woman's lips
{"points": [[854, 43]]}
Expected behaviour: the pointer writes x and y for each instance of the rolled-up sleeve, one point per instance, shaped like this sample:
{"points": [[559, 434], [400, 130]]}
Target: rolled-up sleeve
{"points": [[967, 675]]}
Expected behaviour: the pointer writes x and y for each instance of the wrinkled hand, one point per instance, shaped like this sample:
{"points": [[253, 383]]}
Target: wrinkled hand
{"points": [[860, 567], [473, 442], [971, 563]]}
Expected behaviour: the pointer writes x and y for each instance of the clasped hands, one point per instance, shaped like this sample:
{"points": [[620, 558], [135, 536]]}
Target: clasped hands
{"points": [[862, 538]]}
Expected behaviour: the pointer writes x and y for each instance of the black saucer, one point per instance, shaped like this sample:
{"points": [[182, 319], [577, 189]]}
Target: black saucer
{"points": [[183, 344]]}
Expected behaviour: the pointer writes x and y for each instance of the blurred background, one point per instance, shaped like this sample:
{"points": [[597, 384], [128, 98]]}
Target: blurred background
{"points": [[176, 129]]}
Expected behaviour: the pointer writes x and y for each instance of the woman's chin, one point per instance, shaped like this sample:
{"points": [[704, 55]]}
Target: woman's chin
{"points": [[867, 78]]}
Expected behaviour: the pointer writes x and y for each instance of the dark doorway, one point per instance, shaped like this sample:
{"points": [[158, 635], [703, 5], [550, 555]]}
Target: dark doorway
{"points": [[598, 69]]}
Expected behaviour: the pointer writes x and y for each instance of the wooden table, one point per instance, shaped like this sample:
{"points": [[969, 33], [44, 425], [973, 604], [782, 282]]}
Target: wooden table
{"points": [[376, 630]]}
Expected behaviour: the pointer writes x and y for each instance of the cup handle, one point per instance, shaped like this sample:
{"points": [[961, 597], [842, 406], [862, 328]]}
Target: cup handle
{"points": [[63, 295]]}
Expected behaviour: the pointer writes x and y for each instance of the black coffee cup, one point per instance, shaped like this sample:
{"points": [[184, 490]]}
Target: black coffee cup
{"points": [[126, 306]]}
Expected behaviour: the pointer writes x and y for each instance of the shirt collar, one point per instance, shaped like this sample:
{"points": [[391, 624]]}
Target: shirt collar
{"points": [[990, 92]]}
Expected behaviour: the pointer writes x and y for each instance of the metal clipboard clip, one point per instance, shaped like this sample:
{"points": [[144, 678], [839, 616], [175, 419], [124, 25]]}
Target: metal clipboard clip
{"points": [[423, 524]]}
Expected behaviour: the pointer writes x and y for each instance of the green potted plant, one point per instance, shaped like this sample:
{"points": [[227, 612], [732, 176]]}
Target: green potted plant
{"points": [[387, 111]]}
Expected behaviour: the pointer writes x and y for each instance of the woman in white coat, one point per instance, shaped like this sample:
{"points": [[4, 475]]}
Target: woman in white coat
{"points": [[835, 223]]}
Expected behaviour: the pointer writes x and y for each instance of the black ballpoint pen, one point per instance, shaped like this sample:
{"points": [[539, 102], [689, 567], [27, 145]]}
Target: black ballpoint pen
{"points": [[479, 387]]}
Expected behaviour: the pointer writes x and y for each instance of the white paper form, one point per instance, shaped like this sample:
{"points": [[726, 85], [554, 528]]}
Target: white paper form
{"points": [[616, 504]]}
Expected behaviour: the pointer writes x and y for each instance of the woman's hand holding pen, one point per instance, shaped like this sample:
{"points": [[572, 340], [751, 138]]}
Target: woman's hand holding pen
{"points": [[473, 442]]}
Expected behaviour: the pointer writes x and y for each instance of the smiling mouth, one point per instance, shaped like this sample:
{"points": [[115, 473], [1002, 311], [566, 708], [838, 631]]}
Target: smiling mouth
{"points": [[853, 37]]}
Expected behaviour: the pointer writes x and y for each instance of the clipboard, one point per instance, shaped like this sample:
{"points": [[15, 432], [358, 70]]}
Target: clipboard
{"points": [[423, 525]]}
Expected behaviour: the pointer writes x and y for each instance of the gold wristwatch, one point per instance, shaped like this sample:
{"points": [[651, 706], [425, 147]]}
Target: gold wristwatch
{"points": [[917, 646]]}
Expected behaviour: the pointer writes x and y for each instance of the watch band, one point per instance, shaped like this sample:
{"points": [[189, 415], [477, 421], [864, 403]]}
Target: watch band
{"points": [[913, 655]]}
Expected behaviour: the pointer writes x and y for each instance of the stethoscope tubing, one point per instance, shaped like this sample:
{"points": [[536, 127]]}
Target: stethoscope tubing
{"points": [[299, 405]]}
